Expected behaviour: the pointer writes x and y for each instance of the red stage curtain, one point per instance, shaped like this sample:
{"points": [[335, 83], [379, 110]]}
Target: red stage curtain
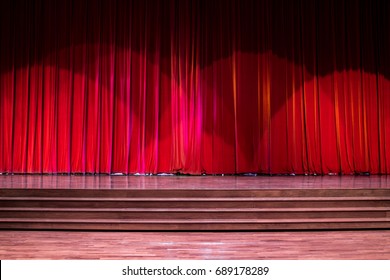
{"points": [[221, 86]]}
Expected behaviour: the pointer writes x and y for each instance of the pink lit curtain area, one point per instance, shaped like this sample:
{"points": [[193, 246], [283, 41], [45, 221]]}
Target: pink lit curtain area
{"points": [[195, 87]]}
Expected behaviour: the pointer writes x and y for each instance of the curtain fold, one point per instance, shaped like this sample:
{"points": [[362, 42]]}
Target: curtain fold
{"points": [[195, 87]]}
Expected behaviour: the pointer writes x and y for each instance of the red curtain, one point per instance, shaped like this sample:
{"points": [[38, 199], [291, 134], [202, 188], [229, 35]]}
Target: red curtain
{"points": [[221, 86]]}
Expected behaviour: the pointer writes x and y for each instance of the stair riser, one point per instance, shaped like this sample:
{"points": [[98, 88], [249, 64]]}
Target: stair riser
{"points": [[191, 215], [197, 226], [193, 204]]}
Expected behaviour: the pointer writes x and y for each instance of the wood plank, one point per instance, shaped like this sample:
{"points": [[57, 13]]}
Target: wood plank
{"points": [[199, 227], [207, 210], [355, 245], [193, 194]]}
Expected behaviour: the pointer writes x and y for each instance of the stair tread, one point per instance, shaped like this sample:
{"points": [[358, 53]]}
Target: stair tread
{"points": [[189, 199], [289, 209], [191, 221]]}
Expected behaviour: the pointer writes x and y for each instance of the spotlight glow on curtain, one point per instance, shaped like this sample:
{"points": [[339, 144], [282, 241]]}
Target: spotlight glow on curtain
{"points": [[221, 86]]}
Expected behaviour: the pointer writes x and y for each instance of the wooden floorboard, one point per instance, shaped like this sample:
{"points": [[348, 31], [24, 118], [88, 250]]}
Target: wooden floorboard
{"points": [[367, 244], [105, 182]]}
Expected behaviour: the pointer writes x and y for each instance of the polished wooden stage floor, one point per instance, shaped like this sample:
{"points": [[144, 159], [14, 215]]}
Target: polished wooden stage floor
{"points": [[373, 244], [284, 217], [192, 182]]}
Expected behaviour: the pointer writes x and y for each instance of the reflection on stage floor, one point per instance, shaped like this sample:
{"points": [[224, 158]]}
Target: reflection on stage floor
{"points": [[192, 182]]}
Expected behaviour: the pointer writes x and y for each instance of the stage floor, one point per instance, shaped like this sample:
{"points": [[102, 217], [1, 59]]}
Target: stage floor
{"points": [[192, 182], [336, 245]]}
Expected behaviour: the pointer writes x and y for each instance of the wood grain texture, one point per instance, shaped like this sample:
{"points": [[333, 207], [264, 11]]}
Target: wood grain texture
{"points": [[192, 182], [364, 245]]}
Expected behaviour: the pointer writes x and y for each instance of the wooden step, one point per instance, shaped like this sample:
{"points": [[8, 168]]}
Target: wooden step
{"points": [[190, 221], [193, 199], [325, 224], [64, 203], [194, 209], [193, 215], [207, 210]]}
